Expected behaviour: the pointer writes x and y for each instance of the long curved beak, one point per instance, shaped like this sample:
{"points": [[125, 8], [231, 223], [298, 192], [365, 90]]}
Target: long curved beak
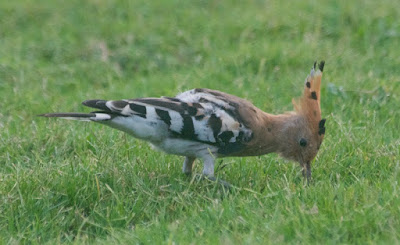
{"points": [[307, 171]]}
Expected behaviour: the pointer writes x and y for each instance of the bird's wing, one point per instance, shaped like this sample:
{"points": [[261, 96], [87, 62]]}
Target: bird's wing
{"points": [[202, 115], [225, 120]]}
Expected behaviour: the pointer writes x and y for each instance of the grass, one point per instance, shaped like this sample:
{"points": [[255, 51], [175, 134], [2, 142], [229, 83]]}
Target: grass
{"points": [[71, 182]]}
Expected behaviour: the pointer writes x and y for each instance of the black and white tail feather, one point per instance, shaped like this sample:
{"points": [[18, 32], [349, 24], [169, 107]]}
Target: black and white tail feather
{"points": [[199, 123]]}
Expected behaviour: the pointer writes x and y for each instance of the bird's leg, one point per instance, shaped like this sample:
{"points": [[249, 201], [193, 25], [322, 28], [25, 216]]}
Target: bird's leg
{"points": [[208, 171], [188, 165]]}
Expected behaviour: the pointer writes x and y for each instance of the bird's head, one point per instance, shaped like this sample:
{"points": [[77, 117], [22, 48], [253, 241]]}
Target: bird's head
{"points": [[306, 130]]}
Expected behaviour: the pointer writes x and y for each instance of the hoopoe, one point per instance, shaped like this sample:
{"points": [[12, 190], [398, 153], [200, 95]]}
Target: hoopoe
{"points": [[209, 124]]}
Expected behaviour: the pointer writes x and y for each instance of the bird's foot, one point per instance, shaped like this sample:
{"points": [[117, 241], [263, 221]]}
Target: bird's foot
{"points": [[220, 181], [223, 183]]}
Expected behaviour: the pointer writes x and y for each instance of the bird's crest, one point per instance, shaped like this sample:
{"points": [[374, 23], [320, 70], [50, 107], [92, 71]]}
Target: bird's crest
{"points": [[308, 105]]}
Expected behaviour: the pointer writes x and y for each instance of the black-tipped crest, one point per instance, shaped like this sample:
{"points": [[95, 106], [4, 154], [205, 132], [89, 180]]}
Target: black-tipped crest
{"points": [[321, 127], [322, 123], [321, 65], [314, 95]]}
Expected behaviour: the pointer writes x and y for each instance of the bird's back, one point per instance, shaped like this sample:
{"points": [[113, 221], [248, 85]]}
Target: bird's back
{"points": [[199, 120]]}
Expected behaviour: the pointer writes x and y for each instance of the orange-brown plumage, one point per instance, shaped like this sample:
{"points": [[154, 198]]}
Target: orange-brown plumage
{"points": [[208, 124], [282, 133]]}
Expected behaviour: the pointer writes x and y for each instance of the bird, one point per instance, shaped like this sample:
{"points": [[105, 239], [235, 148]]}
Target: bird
{"points": [[208, 124]]}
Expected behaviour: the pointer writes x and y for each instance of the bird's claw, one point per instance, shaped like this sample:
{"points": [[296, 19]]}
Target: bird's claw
{"points": [[215, 180]]}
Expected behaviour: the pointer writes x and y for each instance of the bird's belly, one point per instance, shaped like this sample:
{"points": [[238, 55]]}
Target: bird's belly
{"points": [[149, 130], [186, 147]]}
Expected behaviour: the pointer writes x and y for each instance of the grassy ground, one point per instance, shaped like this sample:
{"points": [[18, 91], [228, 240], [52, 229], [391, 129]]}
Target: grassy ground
{"points": [[63, 181]]}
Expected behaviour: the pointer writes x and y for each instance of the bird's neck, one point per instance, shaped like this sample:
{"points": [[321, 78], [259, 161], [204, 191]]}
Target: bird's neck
{"points": [[275, 132]]}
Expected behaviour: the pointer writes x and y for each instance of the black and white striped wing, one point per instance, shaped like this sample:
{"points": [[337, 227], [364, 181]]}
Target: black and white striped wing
{"points": [[194, 115], [221, 122]]}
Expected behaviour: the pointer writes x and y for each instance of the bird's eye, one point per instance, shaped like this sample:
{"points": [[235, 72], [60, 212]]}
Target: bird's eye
{"points": [[303, 142]]}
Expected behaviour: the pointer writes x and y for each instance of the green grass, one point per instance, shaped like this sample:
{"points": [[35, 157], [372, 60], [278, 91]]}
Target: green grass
{"points": [[63, 181]]}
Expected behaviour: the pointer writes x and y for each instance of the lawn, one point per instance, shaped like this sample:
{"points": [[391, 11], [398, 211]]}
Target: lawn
{"points": [[84, 183]]}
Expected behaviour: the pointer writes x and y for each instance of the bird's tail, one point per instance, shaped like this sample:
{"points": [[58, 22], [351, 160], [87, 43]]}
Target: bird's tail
{"points": [[104, 114], [93, 116]]}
